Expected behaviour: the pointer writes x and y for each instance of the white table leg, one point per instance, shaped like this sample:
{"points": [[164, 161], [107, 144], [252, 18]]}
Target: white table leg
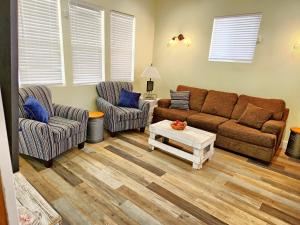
{"points": [[152, 136], [211, 151], [197, 164]]}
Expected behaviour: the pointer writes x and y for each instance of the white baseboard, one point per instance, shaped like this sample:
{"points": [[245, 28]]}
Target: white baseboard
{"points": [[284, 144]]}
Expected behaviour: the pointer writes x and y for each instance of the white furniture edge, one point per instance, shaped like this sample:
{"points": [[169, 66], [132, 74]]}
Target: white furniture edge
{"points": [[6, 172]]}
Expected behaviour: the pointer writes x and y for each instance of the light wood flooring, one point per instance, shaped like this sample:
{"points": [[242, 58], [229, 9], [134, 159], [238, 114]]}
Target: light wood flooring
{"points": [[119, 181]]}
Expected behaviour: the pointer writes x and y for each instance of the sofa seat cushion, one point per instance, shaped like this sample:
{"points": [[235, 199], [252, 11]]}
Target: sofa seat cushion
{"points": [[62, 128], [173, 114], [276, 106], [206, 121], [124, 113], [219, 103], [197, 96], [240, 132]]}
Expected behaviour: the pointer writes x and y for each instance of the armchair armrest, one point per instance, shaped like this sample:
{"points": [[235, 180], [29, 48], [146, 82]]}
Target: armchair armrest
{"points": [[144, 105], [273, 127], [164, 103], [71, 113], [105, 106], [37, 136]]}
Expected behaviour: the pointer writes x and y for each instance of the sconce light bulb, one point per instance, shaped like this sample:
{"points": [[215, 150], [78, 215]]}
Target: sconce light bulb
{"points": [[187, 42], [297, 45]]}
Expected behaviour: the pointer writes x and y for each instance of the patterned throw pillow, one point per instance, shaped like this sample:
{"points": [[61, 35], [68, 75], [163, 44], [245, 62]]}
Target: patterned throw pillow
{"points": [[180, 100]]}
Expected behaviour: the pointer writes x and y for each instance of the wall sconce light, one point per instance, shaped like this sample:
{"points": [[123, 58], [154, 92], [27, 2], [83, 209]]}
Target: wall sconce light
{"points": [[176, 39], [297, 45]]}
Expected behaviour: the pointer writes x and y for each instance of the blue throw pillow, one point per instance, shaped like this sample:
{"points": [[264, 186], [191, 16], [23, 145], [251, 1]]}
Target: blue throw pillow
{"points": [[129, 99], [35, 110]]}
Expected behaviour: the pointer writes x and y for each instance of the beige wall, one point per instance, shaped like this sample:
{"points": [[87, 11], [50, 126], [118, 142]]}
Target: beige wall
{"points": [[275, 72], [84, 96]]}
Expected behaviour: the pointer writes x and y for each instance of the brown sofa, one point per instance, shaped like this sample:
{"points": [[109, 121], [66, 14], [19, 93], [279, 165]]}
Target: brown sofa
{"points": [[218, 112]]}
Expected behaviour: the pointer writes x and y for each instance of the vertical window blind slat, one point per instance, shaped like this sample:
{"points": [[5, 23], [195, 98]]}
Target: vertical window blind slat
{"points": [[87, 38], [122, 46], [234, 38], [40, 42]]}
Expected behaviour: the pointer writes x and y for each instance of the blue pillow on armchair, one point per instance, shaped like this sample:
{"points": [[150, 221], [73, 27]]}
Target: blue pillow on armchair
{"points": [[129, 99], [35, 110]]}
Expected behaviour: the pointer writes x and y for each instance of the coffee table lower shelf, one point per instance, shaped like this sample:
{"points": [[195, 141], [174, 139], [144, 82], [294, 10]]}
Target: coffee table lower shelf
{"points": [[198, 157]]}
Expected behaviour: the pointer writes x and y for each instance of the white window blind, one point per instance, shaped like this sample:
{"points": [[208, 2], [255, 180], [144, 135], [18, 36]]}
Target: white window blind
{"points": [[87, 37], [122, 46], [40, 42], [234, 38]]}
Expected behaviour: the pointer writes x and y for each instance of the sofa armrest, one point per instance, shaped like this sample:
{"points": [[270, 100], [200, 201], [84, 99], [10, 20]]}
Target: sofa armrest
{"points": [[164, 103], [273, 127], [71, 113]]}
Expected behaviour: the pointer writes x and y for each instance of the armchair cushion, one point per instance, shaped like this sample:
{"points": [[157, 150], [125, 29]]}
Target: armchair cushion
{"points": [[129, 99], [124, 113], [35, 110], [62, 128]]}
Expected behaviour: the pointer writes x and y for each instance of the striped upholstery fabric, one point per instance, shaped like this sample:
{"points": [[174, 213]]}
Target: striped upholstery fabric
{"points": [[41, 93], [65, 130], [180, 100], [110, 90], [120, 118]]}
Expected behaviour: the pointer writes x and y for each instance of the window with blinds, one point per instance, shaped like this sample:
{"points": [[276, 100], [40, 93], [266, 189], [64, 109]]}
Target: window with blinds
{"points": [[87, 38], [40, 42], [234, 38], [122, 46]]}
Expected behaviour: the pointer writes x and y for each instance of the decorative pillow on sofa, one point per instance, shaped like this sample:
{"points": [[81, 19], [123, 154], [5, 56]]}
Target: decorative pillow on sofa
{"points": [[180, 99], [129, 99], [255, 116], [35, 110]]}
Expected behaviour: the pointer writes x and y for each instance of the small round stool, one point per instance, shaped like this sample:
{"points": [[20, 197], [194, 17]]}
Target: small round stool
{"points": [[293, 147], [95, 127]]}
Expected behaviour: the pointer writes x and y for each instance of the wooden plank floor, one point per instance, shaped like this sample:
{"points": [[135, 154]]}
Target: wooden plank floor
{"points": [[119, 181]]}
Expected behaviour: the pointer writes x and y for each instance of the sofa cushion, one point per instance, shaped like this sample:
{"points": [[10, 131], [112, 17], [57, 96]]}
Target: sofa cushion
{"points": [[124, 113], [197, 96], [277, 106], [173, 114], [254, 116], [240, 132], [62, 128], [206, 121], [219, 103]]}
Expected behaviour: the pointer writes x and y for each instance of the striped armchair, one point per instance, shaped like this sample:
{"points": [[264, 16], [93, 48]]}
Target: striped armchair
{"points": [[65, 130], [120, 118]]}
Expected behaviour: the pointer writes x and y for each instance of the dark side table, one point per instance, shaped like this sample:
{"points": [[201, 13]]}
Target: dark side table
{"points": [[293, 147]]}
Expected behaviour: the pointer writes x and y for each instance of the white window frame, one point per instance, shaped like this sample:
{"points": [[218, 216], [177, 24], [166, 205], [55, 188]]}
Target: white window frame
{"points": [[61, 82], [102, 30], [119, 78], [240, 46]]}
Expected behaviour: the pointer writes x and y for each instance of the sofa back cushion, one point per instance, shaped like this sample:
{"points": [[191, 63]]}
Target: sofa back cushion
{"points": [[197, 96], [276, 106], [219, 103]]}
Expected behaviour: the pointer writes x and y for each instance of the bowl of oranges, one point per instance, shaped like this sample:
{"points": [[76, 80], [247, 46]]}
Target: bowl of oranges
{"points": [[178, 125]]}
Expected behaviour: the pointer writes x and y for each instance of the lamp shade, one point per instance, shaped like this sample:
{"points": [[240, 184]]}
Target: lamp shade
{"points": [[151, 72]]}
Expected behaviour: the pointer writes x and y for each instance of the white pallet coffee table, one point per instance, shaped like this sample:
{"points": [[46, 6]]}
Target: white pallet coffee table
{"points": [[201, 141]]}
